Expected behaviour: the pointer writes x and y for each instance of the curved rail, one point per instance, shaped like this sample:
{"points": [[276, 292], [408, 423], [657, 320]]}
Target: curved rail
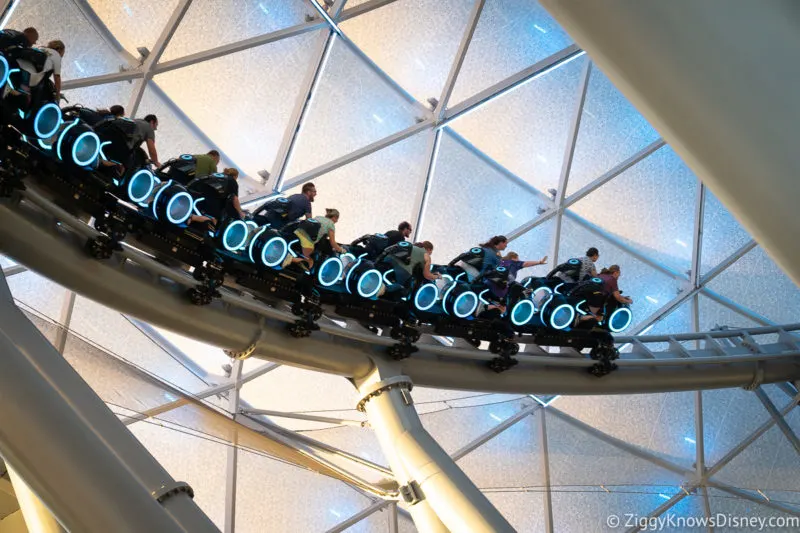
{"points": [[134, 283]]}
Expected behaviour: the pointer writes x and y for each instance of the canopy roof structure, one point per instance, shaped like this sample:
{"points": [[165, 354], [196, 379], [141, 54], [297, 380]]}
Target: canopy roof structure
{"points": [[468, 119]]}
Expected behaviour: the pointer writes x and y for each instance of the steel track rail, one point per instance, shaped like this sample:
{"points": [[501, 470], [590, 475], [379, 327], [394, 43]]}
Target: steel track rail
{"points": [[136, 284]]}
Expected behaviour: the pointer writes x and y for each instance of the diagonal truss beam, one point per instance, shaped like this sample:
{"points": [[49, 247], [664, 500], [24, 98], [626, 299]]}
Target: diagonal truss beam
{"points": [[569, 154], [755, 498], [778, 419], [322, 51], [750, 439], [358, 517], [155, 54], [455, 68], [661, 509], [424, 188], [493, 432], [232, 466], [548, 492]]}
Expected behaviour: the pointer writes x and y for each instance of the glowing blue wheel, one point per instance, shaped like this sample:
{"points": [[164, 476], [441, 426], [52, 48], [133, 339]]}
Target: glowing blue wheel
{"points": [[140, 186], [330, 271], [620, 319], [522, 312], [235, 235], [4, 68], [465, 304], [426, 297], [369, 283], [47, 119], [562, 316]]}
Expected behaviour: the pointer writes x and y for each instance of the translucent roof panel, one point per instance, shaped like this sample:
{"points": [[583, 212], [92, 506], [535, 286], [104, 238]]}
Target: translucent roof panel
{"points": [[470, 200], [659, 423], [353, 106], [211, 23], [374, 193], [135, 23], [211, 94], [87, 53], [650, 207], [678, 321], [722, 233], [38, 293], [756, 282], [511, 35], [290, 497], [414, 41], [611, 131], [526, 129]]}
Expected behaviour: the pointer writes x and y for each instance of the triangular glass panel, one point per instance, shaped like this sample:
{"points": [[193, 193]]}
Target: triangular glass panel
{"points": [[511, 35], [729, 417], [38, 294], [283, 389], [749, 516], [136, 23], [650, 288], [118, 335], [768, 464], [496, 202], [714, 315], [87, 52], [366, 191], [526, 130], [178, 134], [522, 508], [352, 107], [204, 468], [101, 96], [580, 462], [722, 233], [660, 423], [413, 41], [611, 131], [650, 207], [333, 501], [620, 509], [250, 134], [471, 421], [756, 282], [520, 449], [211, 23], [533, 245], [359, 441], [6, 262]]}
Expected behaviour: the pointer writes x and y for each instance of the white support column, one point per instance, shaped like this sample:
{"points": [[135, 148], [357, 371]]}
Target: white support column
{"points": [[62, 332], [38, 517], [569, 154], [322, 46], [148, 68], [72, 450], [699, 437], [547, 494], [429, 478], [455, 68], [233, 451], [423, 194]]}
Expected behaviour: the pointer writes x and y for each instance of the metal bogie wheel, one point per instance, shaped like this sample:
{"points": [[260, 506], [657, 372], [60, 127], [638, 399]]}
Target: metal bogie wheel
{"points": [[298, 330], [399, 351], [99, 248], [595, 353], [512, 348], [396, 333], [494, 347], [297, 309], [199, 297]]}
